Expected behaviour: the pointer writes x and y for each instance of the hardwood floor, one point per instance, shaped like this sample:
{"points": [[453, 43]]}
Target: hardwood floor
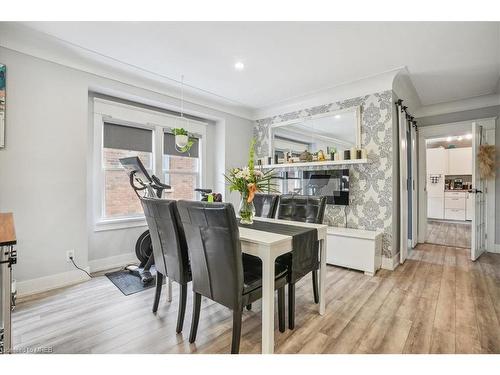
{"points": [[437, 302], [449, 233]]}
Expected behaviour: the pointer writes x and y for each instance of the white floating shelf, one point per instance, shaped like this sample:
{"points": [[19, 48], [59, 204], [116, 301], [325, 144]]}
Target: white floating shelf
{"points": [[315, 164]]}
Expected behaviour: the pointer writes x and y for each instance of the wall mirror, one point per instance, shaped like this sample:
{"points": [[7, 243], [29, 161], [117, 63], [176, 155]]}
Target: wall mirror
{"points": [[339, 130]]}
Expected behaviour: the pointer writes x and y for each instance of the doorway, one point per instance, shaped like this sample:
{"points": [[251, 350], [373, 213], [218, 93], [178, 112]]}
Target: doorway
{"points": [[456, 206], [448, 181]]}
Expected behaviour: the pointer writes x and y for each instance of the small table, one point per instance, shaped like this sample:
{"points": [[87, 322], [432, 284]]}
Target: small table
{"points": [[268, 246]]}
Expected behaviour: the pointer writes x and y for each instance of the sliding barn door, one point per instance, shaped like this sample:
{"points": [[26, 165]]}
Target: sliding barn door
{"points": [[403, 186]]}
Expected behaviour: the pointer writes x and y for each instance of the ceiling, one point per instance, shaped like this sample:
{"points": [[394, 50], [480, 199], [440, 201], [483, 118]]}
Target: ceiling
{"points": [[446, 61]]}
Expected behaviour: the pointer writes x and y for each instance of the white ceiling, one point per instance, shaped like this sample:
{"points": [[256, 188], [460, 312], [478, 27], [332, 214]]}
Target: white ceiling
{"points": [[446, 61]]}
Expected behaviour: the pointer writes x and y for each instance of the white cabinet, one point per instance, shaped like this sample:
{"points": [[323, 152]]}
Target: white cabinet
{"points": [[469, 210], [459, 161], [354, 248], [454, 205], [454, 214], [437, 161], [435, 207]]}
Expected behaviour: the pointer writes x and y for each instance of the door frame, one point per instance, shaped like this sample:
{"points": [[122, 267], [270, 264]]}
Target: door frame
{"points": [[443, 130]]}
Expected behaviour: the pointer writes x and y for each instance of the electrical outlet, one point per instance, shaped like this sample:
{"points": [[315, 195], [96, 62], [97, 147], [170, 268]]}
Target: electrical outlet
{"points": [[70, 254]]}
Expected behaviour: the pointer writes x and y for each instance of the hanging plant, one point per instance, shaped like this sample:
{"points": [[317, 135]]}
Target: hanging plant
{"points": [[182, 141]]}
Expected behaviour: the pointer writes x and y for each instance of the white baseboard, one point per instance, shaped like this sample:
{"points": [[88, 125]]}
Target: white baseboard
{"points": [[112, 262], [390, 263], [43, 284]]}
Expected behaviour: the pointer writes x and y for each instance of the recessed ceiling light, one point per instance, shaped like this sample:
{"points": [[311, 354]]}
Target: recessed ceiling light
{"points": [[468, 136], [337, 116], [448, 139], [239, 66]]}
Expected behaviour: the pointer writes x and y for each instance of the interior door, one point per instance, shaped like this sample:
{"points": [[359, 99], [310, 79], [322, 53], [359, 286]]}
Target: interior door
{"points": [[413, 187], [403, 186], [478, 230]]}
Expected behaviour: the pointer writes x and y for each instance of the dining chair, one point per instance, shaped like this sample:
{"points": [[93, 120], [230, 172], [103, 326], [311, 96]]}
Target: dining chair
{"points": [[169, 249], [218, 270], [307, 209], [265, 205]]}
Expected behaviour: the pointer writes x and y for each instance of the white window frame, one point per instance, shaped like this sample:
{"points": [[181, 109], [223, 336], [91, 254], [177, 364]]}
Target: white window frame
{"points": [[159, 123]]}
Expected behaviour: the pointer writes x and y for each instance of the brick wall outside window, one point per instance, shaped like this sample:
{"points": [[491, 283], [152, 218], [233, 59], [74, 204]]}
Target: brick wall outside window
{"points": [[121, 200]]}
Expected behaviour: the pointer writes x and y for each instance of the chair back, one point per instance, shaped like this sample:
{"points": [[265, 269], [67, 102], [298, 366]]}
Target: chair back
{"points": [[266, 205], [168, 239], [214, 250], [305, 208]]}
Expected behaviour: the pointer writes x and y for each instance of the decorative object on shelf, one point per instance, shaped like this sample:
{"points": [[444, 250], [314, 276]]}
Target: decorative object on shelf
{"points": [[331, 151], [248, 181], [305, 156], [347, 155], [3, 72], [182, 141], [486, 158], [353, 153], [358, 154], [321, 155]]}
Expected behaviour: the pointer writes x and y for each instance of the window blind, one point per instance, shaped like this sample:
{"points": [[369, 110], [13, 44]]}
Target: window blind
{"points": [[127, 138], [169, 146]]}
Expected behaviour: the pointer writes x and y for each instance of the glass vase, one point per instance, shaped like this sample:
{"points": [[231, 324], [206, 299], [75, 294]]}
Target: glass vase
{"points": [[246, 210]]}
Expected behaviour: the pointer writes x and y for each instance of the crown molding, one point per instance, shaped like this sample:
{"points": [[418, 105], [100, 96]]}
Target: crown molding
{"points": [[458, 105], [23, 39], [368, 85]]}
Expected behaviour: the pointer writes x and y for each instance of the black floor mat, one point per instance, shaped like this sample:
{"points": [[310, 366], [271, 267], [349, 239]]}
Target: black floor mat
{"points": [[128, 283]]}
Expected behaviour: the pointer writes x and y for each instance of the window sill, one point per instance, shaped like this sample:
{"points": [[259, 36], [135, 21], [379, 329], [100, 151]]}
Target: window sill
{"points": [[115, 224]]}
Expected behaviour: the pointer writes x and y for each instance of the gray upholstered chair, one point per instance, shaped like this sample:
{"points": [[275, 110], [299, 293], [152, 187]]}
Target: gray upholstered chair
{"points": [[218, 270], [169, 249], [307, 209], [265, 205]]}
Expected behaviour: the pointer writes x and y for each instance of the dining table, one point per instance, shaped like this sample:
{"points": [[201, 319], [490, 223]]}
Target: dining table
{"points": [[267, 246]]}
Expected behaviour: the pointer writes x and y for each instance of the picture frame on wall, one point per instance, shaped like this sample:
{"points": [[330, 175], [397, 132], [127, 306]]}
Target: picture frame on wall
{"points": [[3, 75]]}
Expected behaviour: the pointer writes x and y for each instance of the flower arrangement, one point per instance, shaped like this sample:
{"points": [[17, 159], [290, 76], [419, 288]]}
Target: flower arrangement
{"points": [[248, 181]]}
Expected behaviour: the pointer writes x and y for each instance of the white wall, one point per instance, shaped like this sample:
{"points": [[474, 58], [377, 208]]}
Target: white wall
{"points": [[45, 167]]}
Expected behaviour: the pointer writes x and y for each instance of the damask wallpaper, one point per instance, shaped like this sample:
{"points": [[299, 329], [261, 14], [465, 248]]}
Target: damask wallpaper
{"points": [[371, 194]]}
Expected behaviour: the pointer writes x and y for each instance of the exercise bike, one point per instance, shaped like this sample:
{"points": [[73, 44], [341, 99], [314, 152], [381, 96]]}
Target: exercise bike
{"points": [[140, 180], [208, 196]]}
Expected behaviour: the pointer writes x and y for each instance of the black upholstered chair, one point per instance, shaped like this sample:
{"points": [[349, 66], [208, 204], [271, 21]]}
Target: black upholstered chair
{"points": [[169, 249], [219, 272], [265, 205], [307, 209]]}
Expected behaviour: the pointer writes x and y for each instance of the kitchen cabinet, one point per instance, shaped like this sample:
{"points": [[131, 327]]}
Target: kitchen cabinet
{"points": [[459, 161], [454, 214], [435, 207], [455, 205], [437, 161]]}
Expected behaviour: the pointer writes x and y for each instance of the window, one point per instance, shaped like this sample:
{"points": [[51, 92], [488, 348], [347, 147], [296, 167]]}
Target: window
{"points": [[122, 130], [119, 142], [181, 170]]}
